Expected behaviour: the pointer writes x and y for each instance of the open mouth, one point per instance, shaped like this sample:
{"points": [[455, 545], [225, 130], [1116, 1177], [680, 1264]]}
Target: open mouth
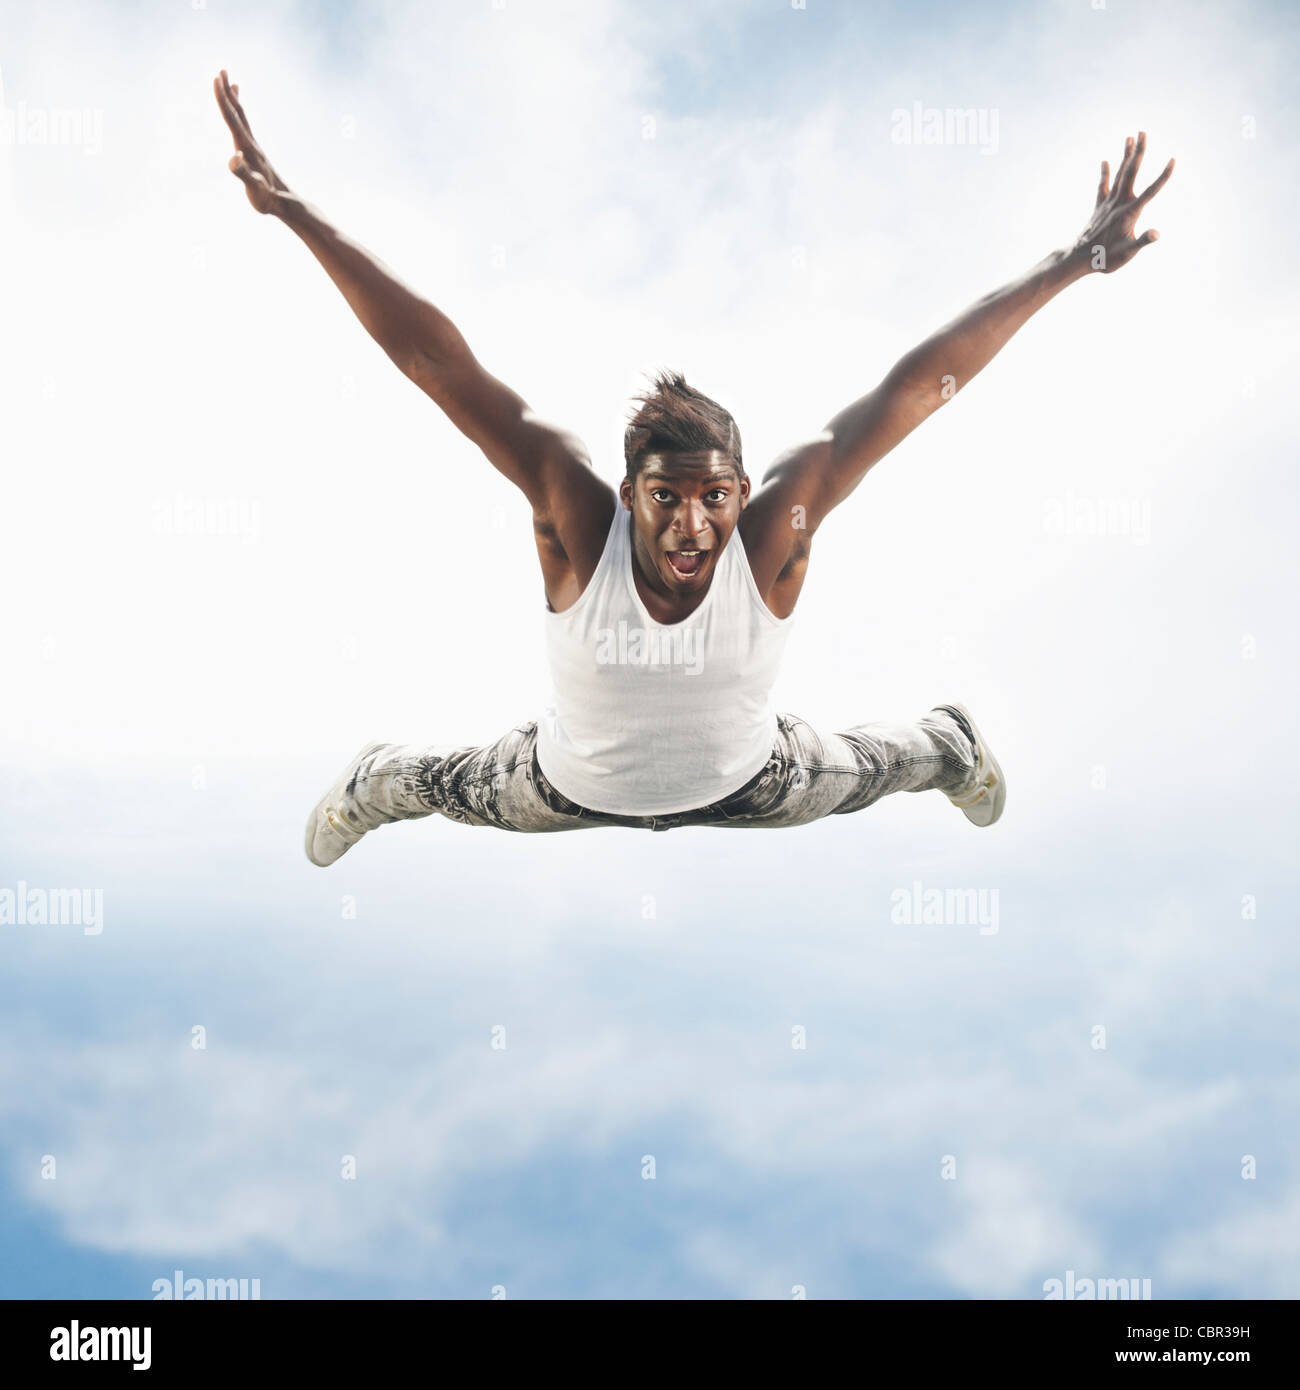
{"points": [[686, 563]]}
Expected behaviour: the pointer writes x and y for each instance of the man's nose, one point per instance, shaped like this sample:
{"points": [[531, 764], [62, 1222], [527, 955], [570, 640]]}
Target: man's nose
{"points": [[690, 519]]}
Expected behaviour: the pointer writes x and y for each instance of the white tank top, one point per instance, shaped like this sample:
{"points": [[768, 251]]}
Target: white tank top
{"points": [[649, 718]]}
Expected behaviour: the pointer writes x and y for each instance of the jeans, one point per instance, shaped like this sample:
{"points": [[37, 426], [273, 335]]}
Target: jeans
{"points": [[809, 775]]}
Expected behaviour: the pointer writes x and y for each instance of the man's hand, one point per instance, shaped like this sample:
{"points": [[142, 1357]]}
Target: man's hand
{"points": [[817, 476], [572, 507], [262, 184], [1107, 242]]}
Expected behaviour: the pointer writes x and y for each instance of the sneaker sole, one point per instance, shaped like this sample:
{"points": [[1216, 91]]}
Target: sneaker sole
{"points": [[331, 798], [988, 808]]}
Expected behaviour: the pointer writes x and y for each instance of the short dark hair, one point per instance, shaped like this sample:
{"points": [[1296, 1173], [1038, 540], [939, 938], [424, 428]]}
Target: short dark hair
{"points": [[673, 416]]}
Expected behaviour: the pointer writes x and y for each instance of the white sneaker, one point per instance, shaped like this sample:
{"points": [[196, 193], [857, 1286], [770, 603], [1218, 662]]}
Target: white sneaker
{"points": [[334, 825], [983, 804]]}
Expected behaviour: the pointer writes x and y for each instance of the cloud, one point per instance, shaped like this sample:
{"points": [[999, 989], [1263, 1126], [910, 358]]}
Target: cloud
{"points": [[1254, 1250], [823, 1163]]}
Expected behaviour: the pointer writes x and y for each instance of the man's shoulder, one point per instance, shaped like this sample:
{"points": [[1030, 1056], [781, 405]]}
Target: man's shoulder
{"points": [[570, 532]]}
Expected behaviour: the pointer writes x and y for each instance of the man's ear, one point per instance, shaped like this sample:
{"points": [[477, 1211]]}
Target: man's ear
{"points": [[744, 493], [625, 493]]}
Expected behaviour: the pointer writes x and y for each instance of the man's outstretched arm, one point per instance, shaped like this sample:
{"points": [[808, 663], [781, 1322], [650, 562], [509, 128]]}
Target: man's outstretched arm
{"points": [[820, 474], [421, 340]]}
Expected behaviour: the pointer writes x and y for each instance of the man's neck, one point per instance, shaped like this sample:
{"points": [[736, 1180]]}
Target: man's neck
{"points": [[666, 608]]}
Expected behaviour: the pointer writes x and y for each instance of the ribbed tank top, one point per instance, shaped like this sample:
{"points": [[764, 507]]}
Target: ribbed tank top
{"points": [[649, 718]]}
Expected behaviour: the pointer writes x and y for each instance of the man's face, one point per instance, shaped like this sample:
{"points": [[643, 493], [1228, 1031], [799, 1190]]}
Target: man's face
{"points": [[684, 508]]}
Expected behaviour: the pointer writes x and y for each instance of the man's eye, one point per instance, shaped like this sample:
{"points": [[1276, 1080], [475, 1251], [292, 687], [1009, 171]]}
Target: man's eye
{"points": [[660, 494], [720, 493]]}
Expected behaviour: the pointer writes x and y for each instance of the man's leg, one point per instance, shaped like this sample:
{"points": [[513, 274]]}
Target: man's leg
{"points": [[811, 775], [386, 782]]}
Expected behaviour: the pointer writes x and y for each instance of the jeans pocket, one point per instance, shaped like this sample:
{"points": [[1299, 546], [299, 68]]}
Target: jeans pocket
{"points": [[548, 794], [759, 795]]}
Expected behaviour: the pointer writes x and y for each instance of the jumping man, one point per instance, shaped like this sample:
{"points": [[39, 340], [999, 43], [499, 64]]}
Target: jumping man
{"points": [[668, 602]]}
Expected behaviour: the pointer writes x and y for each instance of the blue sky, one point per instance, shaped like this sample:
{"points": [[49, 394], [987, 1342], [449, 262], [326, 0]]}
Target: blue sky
{"points": [[592, 193]]}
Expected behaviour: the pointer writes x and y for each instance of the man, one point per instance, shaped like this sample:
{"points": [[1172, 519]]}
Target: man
{"points": [[668, 603]]}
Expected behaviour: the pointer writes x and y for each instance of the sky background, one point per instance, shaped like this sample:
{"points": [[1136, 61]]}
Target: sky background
{"points": [[237, 544]]}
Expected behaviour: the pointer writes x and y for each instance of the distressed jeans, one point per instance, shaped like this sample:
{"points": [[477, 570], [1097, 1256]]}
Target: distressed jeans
{"points": [[808, 776]]}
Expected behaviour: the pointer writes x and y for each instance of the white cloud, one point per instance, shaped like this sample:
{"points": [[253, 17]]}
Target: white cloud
{"points": [[1009, 1233], [1255, 1249], [177, 1154]]}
